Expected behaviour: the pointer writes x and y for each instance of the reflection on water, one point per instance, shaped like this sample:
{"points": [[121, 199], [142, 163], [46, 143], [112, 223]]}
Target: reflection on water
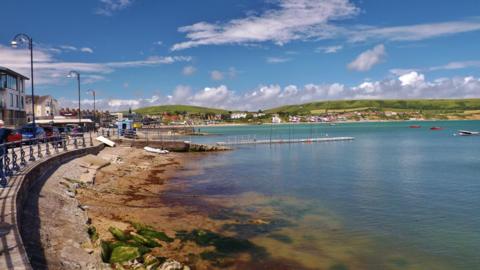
{"points": [[395, 198]]}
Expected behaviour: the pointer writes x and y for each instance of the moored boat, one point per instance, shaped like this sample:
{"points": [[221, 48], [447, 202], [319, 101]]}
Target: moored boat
{"points": [[415, 126], [436, 128], [468, 133]]}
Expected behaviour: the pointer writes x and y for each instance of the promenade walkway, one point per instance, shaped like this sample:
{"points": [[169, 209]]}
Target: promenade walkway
{"points": [[15, 188]]}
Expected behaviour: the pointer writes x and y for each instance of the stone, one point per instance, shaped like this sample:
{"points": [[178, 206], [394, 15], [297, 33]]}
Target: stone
{"points": [[171, 265]]}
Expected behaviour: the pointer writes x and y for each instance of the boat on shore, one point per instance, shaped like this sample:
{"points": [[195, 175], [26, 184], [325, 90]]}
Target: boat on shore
{"points": [[468, 133]]}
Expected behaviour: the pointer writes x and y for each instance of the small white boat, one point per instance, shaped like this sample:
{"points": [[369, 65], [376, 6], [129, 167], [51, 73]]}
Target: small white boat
{"points": [[468, 133], [106, 141], [155, 150]]}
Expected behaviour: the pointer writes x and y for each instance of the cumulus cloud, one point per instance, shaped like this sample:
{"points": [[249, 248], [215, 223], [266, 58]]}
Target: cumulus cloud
{"points": [[291, 20], [109, 7], [410, 85], [189, 70], [369, 58], [50, 70], [330, 49], [277, 60], [411, 78]]}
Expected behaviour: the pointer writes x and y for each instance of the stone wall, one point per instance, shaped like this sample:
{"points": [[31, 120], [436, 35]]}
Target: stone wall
{"points": [[12, 251]]}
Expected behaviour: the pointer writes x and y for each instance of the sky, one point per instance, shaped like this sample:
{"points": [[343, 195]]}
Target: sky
{"points": [[245, 54]]}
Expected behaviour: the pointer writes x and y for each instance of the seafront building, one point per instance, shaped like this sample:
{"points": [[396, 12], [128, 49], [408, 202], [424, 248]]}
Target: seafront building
{"points": [[12, 97], [46, 107]]}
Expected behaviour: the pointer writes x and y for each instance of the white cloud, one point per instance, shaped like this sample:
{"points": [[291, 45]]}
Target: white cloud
{"points": [[411, 85], [411, 78], [311, 20], [277, 60], [86, 50], [50, 70], [216, 75], [369, 58], [292, 20], [412, 32], [189, 70], [68, 48], [330, 49], [457, 65], [108, 7]]}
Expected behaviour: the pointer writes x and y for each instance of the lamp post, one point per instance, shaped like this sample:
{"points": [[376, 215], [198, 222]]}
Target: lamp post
{"points": [[22, 39], [91, 91], [72, 74]]}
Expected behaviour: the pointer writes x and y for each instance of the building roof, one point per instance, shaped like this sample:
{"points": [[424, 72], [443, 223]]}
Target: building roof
{"points": [[11, 72]]}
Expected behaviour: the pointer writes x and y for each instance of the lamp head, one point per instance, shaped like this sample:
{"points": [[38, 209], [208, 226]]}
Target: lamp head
{"points": [[14, 44], [72, 74]]}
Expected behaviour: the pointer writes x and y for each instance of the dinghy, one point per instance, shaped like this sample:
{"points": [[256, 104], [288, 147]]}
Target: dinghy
{"points": [[155, 150]]}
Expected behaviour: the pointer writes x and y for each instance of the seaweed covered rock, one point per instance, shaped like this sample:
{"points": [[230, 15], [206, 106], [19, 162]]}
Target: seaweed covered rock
{"points": [[124, 254], [148, 231], [144, 240], [118, 234]]}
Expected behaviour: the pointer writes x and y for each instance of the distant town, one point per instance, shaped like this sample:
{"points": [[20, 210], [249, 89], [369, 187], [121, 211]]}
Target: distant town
{"points": [[17, 111]]}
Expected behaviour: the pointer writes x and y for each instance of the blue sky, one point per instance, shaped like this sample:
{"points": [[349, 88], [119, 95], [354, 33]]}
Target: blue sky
{"points": [[243, 54]]}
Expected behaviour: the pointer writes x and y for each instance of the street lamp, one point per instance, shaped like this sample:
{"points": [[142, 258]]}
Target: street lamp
{"points": [[72, 74], [25, 39], [91, 91]]}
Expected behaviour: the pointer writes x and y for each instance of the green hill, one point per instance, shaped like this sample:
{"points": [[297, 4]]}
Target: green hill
{"points": [[432, 105], [178, 109]]}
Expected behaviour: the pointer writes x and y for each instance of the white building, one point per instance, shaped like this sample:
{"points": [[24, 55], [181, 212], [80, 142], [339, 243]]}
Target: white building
{"points": [[238, 115], [46, 107], [276, 119]]}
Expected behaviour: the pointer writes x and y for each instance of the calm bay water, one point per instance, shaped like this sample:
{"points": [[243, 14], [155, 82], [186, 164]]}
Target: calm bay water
{"points": [[394, 198]]}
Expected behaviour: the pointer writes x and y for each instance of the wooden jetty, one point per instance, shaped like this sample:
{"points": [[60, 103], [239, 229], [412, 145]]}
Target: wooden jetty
{"points": [[270, 141]]}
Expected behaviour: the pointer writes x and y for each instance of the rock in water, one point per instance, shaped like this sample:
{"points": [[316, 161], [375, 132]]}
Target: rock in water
{"points": [[171, 265]]}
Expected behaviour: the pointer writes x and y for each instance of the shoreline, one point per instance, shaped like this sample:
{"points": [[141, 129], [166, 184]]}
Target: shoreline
{"points": [[328, 123]]}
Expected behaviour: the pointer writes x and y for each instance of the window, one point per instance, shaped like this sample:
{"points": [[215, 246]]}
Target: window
{"points": [[17, 101], [3, 80], [21, 85], [22, 102], [11, 100]]}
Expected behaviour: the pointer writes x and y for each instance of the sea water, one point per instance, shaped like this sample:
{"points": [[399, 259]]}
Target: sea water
{"points": [[393, 198]]}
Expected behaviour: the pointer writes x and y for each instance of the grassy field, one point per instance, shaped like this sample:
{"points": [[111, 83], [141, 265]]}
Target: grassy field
{"points": [[432, 105], [178, 109]]}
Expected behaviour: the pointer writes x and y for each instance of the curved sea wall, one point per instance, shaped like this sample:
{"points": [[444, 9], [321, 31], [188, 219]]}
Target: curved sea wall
{"points": [[12, 198]]}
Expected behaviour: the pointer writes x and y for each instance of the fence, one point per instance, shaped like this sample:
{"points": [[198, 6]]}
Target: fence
{"points": [[18, 154]]}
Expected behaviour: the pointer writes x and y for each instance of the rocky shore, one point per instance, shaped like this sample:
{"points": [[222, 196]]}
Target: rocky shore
{"points": [[126, 209]]}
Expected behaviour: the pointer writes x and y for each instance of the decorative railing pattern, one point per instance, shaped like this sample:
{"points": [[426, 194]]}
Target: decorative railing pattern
{"points": [[16, 155]]}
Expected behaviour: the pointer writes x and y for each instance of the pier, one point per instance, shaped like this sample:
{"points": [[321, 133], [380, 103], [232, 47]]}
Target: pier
{"points": [[243, 140]]}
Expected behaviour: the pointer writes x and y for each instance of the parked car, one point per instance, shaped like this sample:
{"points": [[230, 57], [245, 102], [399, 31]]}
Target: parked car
{"points": [[64, 130], [51, 132], [29, 132], [76, 132], [8, 135], [53, 135]]}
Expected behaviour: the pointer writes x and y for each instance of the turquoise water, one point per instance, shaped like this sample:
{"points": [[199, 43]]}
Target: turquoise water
{"points": [[394, 198]]}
